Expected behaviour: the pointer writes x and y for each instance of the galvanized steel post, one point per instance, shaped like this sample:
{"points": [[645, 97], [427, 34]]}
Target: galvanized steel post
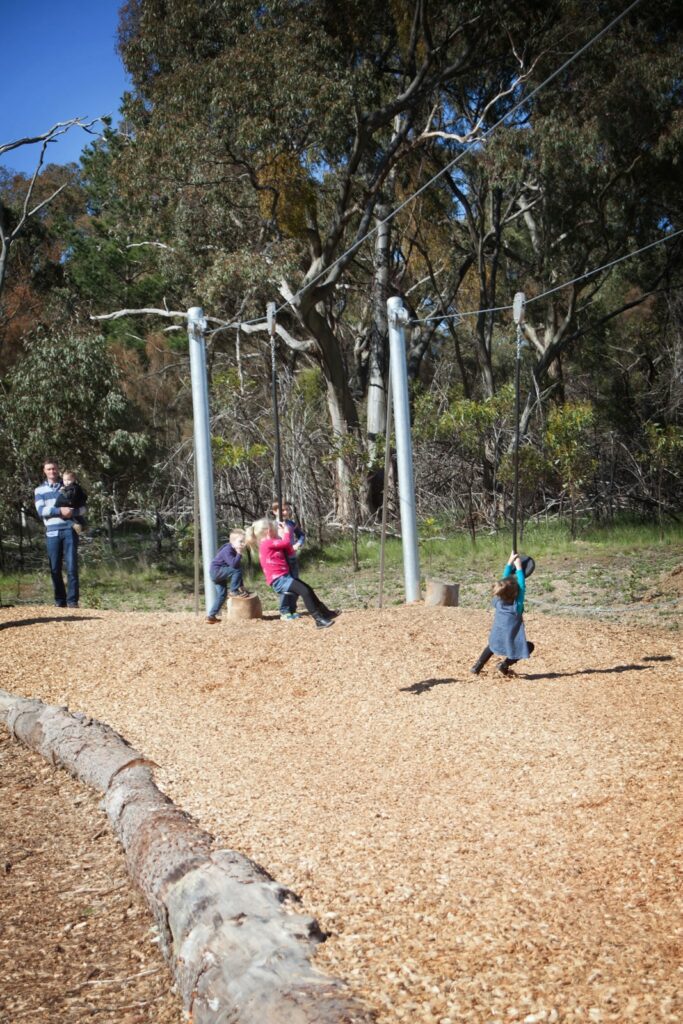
{"points": [[196, 325], [398, 317]]}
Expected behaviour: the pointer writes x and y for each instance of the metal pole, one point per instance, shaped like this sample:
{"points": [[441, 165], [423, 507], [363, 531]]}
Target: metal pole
{"points": [[398, 317], [385, 488], [196, 543], [518, 317], [270, 311], [516, 494], [196, 325]]}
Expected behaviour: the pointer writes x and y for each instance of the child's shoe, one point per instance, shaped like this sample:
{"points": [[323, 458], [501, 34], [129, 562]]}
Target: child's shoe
{"points": [[504, 667], [240, 592], [480, 662], [212, 619], [289, 616]]}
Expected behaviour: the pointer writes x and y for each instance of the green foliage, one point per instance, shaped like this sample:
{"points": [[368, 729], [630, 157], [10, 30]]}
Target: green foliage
{"points": [[228, 455], [568, 445], [64, 400], [310, 384], [466, 422], [534, 470], [664, 451]]}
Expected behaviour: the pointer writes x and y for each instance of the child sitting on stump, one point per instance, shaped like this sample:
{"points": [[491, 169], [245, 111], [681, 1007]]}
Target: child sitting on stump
{"points": [[226, 568], [507, 636]]}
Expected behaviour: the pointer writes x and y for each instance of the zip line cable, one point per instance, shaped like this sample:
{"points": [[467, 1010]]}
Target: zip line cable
{"points": [[484, 137], [550, 291], [460, 314], [456, 160]]}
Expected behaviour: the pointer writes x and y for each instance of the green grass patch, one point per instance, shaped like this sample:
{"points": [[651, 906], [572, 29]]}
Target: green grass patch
{"points": [[604, 567]]}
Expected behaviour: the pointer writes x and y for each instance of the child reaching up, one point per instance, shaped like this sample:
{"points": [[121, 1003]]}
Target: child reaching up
{"points": [[274, 550], [507, 636]]}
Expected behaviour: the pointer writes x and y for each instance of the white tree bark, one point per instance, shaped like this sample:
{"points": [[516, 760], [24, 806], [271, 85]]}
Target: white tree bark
{"points": [[239, 948]]}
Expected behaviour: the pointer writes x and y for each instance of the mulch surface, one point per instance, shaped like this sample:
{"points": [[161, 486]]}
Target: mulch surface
{"points": [[75, 935], [478, 849]]}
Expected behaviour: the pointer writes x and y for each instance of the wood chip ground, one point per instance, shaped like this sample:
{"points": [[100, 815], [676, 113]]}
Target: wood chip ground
{"points": [[479, 849]]}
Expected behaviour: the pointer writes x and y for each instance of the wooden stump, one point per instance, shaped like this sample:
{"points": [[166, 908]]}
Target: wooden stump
{"points": [[440, 593], [241, 608]]}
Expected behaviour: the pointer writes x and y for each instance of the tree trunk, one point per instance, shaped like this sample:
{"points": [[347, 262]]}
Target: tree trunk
{"points": [[379, 332], [340, 403], [239, 950]]}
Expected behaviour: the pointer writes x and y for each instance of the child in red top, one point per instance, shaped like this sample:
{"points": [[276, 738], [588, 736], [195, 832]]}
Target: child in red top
{"points": [[274, 549]]}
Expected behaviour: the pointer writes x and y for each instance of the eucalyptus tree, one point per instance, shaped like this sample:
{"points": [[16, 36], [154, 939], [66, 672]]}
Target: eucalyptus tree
{"points": [[279, 127], [32, 292], [597, 178], [30, 205], [584, 172], [74, 405]]}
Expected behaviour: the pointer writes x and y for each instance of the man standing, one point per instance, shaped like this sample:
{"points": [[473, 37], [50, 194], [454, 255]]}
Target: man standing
{"points": [[61, 538]]}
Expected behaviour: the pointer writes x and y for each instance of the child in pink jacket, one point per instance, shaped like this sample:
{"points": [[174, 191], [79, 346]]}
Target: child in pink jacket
{"points": [[274, 548]]}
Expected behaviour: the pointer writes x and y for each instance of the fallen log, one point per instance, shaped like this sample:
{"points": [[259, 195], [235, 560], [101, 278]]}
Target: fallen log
{"points": [[239, 948]]}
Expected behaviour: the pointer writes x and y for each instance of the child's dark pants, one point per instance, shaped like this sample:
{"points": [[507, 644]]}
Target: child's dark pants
{"points": [[504, 665]]}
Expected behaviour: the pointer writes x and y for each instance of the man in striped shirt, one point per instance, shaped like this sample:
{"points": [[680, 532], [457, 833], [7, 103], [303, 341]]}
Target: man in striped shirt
{"points": [[61, 538]]}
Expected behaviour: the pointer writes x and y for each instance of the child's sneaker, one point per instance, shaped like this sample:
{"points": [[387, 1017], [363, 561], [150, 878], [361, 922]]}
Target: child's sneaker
{"points": [[212, 619], [240, 592], [289, 616]]}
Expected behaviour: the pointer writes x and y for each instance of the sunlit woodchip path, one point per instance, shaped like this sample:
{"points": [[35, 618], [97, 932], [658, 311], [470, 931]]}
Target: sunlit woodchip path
{"points": [[478, 848]]}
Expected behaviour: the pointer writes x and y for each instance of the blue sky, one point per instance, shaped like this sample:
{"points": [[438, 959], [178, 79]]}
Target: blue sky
{"points": [[58, 61]]}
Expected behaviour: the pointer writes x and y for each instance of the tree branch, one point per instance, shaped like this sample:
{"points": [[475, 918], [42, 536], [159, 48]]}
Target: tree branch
{"points": [[57, 129]]}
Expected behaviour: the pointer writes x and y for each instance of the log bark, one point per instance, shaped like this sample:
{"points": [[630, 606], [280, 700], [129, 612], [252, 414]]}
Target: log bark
{"points": [[239, 948], [439, 593], [242, 608]]}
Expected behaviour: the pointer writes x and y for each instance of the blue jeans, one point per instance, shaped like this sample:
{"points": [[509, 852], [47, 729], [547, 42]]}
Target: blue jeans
{"points": [[288, 600], [284, 584], [62, 548], [226, 574]]}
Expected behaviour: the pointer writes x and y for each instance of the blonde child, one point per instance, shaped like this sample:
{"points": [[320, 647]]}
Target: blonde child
{"points": [[274, 550], [507, 636], [297, 537], [226, 568]]}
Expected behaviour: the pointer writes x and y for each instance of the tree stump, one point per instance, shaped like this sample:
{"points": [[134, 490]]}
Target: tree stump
{"points": [[242, 608], [444, 594]]}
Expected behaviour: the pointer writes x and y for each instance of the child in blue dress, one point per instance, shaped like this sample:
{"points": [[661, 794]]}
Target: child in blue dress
{"points": [[507, 636]]}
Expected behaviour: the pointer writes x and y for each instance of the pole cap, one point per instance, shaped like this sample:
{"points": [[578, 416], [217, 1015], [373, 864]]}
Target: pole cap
{"points": [[518, 304]]}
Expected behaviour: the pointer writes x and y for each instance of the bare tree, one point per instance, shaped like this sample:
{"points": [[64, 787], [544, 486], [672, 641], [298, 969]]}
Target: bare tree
{"points": [[9, 231]]}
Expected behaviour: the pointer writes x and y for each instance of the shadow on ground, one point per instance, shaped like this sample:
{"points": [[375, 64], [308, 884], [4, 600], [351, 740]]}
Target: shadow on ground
{"points": [[429, 684], [46, 618]]}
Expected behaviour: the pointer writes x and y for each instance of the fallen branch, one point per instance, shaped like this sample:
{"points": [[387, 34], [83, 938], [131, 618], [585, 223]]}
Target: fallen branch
{"points": [[239, 949]]}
